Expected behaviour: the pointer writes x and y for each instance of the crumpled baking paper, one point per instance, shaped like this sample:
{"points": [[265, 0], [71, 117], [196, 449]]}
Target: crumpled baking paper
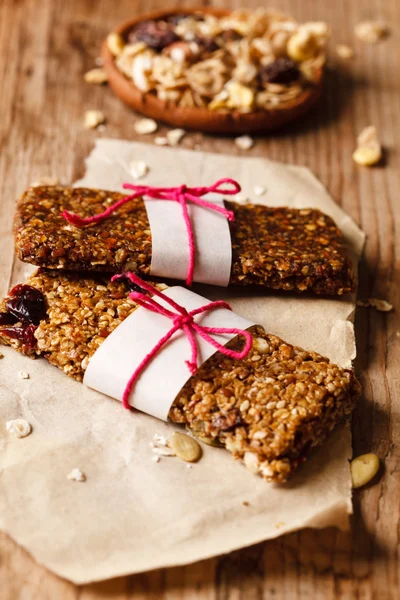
{"points": [[132, 514]]}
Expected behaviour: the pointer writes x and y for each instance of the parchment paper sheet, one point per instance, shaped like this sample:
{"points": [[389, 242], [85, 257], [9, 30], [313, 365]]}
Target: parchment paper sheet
{"points": [[133, 514]]}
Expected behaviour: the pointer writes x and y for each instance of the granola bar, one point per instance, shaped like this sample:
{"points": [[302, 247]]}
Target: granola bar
{"points": [[280, 248], [240, 61], [269, 409]]}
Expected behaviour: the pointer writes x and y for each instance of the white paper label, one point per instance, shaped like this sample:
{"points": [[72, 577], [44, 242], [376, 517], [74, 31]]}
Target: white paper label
{"points": [[170, 248], [113, 364]]}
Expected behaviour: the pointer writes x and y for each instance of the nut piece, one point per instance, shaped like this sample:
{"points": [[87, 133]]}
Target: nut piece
{"points": [[19, 428], [46, 180], [244, 142], [76, 475], [94, 118], [115, 43], [302, 46], [371, 32], [344, 51], [186, 448], [144, 126], [96, 76], [366, 157], [363, 469], [369, 151], [138, 169]]}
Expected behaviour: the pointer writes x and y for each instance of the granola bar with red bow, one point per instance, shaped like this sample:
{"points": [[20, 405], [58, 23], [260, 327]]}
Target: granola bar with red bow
{"points": [[279, 248], [269, 409]]}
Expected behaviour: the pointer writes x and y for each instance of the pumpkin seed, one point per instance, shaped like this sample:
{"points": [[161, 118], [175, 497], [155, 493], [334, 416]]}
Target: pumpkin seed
{"points": [[363, 469], [186, 448]]}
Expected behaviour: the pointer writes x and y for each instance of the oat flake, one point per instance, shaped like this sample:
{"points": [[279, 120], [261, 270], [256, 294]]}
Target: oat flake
{"points": [[76, 475], [138, 169], [20, 428], [244, 142]]}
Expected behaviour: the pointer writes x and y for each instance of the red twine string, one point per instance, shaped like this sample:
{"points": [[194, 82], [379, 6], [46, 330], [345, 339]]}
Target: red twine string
{"points": [[182, 195], [181, 319]]}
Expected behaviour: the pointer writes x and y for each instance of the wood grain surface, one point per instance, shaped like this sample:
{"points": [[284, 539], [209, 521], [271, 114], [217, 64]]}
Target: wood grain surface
{"points": [[45, 48]]}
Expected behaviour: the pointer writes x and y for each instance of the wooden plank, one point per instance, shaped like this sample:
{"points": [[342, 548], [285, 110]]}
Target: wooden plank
{"points": [[45, 48]]}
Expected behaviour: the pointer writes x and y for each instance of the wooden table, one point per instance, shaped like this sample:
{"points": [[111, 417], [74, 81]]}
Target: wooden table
{"points": [[45, 48]]}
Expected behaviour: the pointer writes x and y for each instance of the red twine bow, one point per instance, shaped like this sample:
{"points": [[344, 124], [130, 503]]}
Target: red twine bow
{"points": [[182, 195], [181, 319]]}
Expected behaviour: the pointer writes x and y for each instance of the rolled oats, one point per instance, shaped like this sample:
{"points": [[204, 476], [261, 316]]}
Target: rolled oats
{"points": [[145, 126], [202, 56], [94, 118], [174, 136], [76, 475], [371, 32], [138, 169], [96, 76], [244, 142], [19, 428]]}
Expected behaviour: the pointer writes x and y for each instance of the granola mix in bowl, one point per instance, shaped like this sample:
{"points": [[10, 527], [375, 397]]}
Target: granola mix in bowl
{"points": [[217, 70]]}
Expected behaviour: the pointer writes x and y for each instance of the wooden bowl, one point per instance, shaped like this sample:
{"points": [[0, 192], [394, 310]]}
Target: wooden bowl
{"points": [[201, 118]]}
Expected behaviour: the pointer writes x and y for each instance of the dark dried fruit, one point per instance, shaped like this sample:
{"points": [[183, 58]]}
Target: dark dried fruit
{"points": [[7, 319], [206, 44], [25, 334], [27, 304], [228, 422], [230, 35], [282, 70], [155, 34]]}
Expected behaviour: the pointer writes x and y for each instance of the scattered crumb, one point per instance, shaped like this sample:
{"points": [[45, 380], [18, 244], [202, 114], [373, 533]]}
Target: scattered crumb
{"points": [[76, 475], [245, 503], [259, 190], [241, 198], [155, 458], [98, 61], [161, 141], [163, 451], [380, 305], [24, 375], [160, 440], [345, 51], [244, 142], [144, 126], [46, 180], [96, 76], [20, 428], [189, 466], [174, 136], [371, 32], [93, 118], [1, 355], [280, 524], [138, 169]]}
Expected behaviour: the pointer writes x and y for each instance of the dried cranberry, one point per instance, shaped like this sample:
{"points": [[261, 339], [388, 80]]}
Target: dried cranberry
{"points": [[7, 319], [25, 334], [282, 70], [206, 44], [155, 34], [27, 304]]}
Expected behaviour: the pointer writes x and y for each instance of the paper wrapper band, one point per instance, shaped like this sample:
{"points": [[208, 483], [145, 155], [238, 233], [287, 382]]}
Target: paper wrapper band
{"points": [[112, 365]]}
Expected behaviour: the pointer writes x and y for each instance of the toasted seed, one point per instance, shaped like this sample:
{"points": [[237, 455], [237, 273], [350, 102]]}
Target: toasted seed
{"points": [[367, 156], [186, 448], [76, 475], [363, 469], [144, 126]]}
